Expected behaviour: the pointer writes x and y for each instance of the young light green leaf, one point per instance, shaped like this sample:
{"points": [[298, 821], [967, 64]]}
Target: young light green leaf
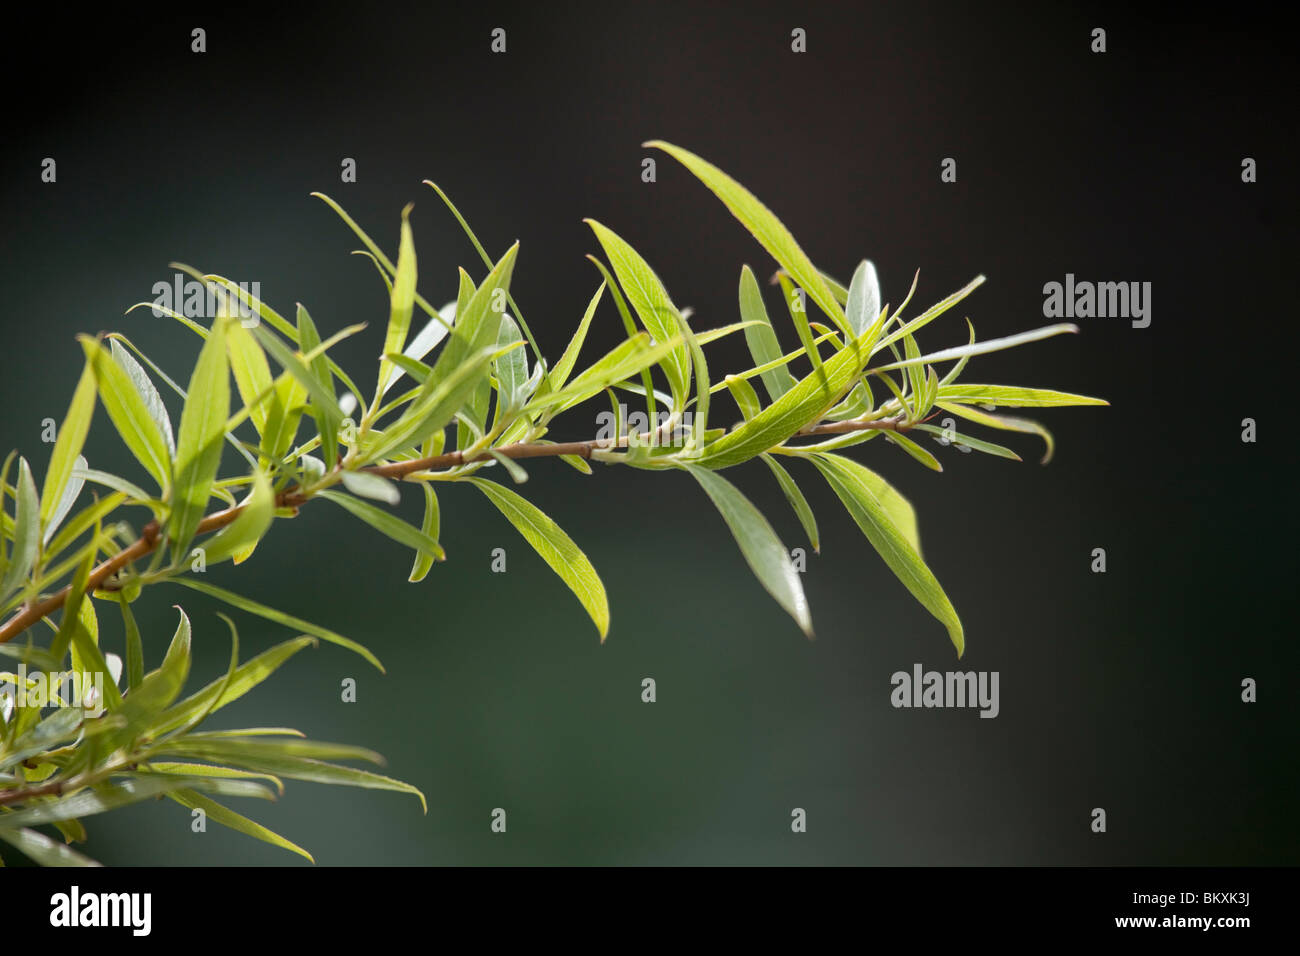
{"points": [[760, 337], [252, 374], [763, 550], [27, 531], [928, 316], [1005, 423], [366, 485], [129, 412], [238, 538], [782, 419], [431, 527], [402, 302], [864, 494], [225, 689], [193, 800], [477, 325], [324, 403], [276, 761], [67, 498], [1012, 395], [202, 435], [511, 368], [649, 299], [767, 229], [134, 646], [915, 450], [948, 436], [980, 348], [555, 547], [159, 688], [39, 848], [864, 298], [560, 374], [797, 500], [70, 438], [745, 396]]}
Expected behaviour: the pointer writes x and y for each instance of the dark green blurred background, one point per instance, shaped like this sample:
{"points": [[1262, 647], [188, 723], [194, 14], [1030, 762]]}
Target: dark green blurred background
{"points": [[1118, 690]]}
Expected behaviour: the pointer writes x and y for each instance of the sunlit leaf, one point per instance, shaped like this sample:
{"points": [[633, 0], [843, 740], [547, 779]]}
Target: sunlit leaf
{"points": [[767, 229], [864, 494], [279, 617], [763, 551], [70, 438], [201, 436], [555, 547]]}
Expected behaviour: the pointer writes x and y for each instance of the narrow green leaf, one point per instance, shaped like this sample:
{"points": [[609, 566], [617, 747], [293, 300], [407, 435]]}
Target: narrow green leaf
{"points": [[129, 412], [511, 368], [560, 374], [39, 848], [763, 550], [767, 229], [238, 538], [376, 487], [555, 547], [223, 691], [200, 440], [915, 450], [761, 338], [324, 402], [863, 493], [387, 524], [929, 315], [252, 375], [797, 500], [981, 348], [70, 438], [864, 298], [957, 438], [1005, 423], [745, 396], [402, 302], [279, 617], [193, 800], [473, 330], [649, 299], [140, 787], [803, 404], [134, 646], [436, 405], [431, 527], [1012, 395], [27, 531]]}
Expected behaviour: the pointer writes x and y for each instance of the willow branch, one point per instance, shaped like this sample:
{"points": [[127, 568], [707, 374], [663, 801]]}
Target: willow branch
{"points": [[151, 534]]}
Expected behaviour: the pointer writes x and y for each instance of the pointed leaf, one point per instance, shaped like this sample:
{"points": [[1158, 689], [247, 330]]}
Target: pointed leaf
{"points": [[201, 437], [67, 450], [279, 617], [129, 412], [555, 547], [863, 493], [763, 550], [767, 229]]}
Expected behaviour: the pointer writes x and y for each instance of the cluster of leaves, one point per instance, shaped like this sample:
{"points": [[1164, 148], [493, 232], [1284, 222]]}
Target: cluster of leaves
{"points": [[468, 393]]}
